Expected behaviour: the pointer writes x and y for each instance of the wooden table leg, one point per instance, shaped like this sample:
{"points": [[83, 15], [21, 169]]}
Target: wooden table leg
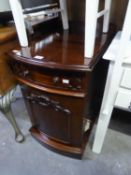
{"points": [[5, 107]]}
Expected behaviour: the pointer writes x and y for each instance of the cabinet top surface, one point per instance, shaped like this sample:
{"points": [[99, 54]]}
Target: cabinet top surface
{"points": [[61, 50]]}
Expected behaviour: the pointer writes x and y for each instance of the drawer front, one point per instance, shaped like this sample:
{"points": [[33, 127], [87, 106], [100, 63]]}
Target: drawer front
{"points": [[123, 99], [126, 79], [57, 79]]}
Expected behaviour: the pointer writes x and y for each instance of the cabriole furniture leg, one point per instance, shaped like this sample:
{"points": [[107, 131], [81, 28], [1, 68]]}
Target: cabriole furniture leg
{"points": [[5, 107]]}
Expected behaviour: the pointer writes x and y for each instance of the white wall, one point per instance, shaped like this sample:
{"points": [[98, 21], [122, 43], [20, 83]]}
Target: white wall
{"points": [[4, 5]]}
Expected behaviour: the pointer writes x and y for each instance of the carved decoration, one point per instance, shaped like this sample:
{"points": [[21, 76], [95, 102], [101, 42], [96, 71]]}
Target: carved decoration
{"points": [[20, 69], [47, 102]]}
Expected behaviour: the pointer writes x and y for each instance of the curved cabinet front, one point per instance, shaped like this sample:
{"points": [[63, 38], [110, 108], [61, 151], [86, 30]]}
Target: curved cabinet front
{"points": [[58, 87], [58, 119], [56, 101]]}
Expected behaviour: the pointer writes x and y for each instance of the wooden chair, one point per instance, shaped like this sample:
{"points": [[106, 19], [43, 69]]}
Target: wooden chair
{"points": [[91, 16], [19, 17]]}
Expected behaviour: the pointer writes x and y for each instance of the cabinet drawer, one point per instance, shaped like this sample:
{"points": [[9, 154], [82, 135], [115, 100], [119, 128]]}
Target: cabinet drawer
{"points": [[52, 80], [58, 79], [123, 99], [126, 78]]}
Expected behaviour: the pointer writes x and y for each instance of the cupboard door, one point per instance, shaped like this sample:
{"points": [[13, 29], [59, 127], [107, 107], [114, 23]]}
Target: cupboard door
{"points": [[55, 115]]}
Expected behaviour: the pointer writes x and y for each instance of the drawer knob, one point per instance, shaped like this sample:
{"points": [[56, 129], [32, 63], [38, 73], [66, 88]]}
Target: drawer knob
{"points": [[56, 79], [25, 73]]}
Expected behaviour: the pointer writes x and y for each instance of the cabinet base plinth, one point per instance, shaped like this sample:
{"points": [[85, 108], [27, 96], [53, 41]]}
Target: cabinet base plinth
{"points": [[62, 148]]}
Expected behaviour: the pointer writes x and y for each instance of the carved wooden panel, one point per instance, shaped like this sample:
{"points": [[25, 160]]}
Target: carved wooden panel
{"points": [[52, 116], [45, 101], [20, 69]]}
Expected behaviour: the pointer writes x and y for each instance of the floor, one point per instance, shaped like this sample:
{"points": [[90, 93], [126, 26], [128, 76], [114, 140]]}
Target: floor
{"points": [[31, 158]]}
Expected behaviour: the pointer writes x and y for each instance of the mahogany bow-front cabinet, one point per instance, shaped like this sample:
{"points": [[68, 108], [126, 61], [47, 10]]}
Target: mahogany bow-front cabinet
{"points": [[59, 88]]}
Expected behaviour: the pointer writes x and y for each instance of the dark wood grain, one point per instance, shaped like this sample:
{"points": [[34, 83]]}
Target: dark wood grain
{"points": [[63, 50]]}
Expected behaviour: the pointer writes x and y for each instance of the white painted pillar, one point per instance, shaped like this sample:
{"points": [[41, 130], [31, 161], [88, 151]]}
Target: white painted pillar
{"points": [[107, 16], [64, 14], [90, 26], [19, 22]]}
